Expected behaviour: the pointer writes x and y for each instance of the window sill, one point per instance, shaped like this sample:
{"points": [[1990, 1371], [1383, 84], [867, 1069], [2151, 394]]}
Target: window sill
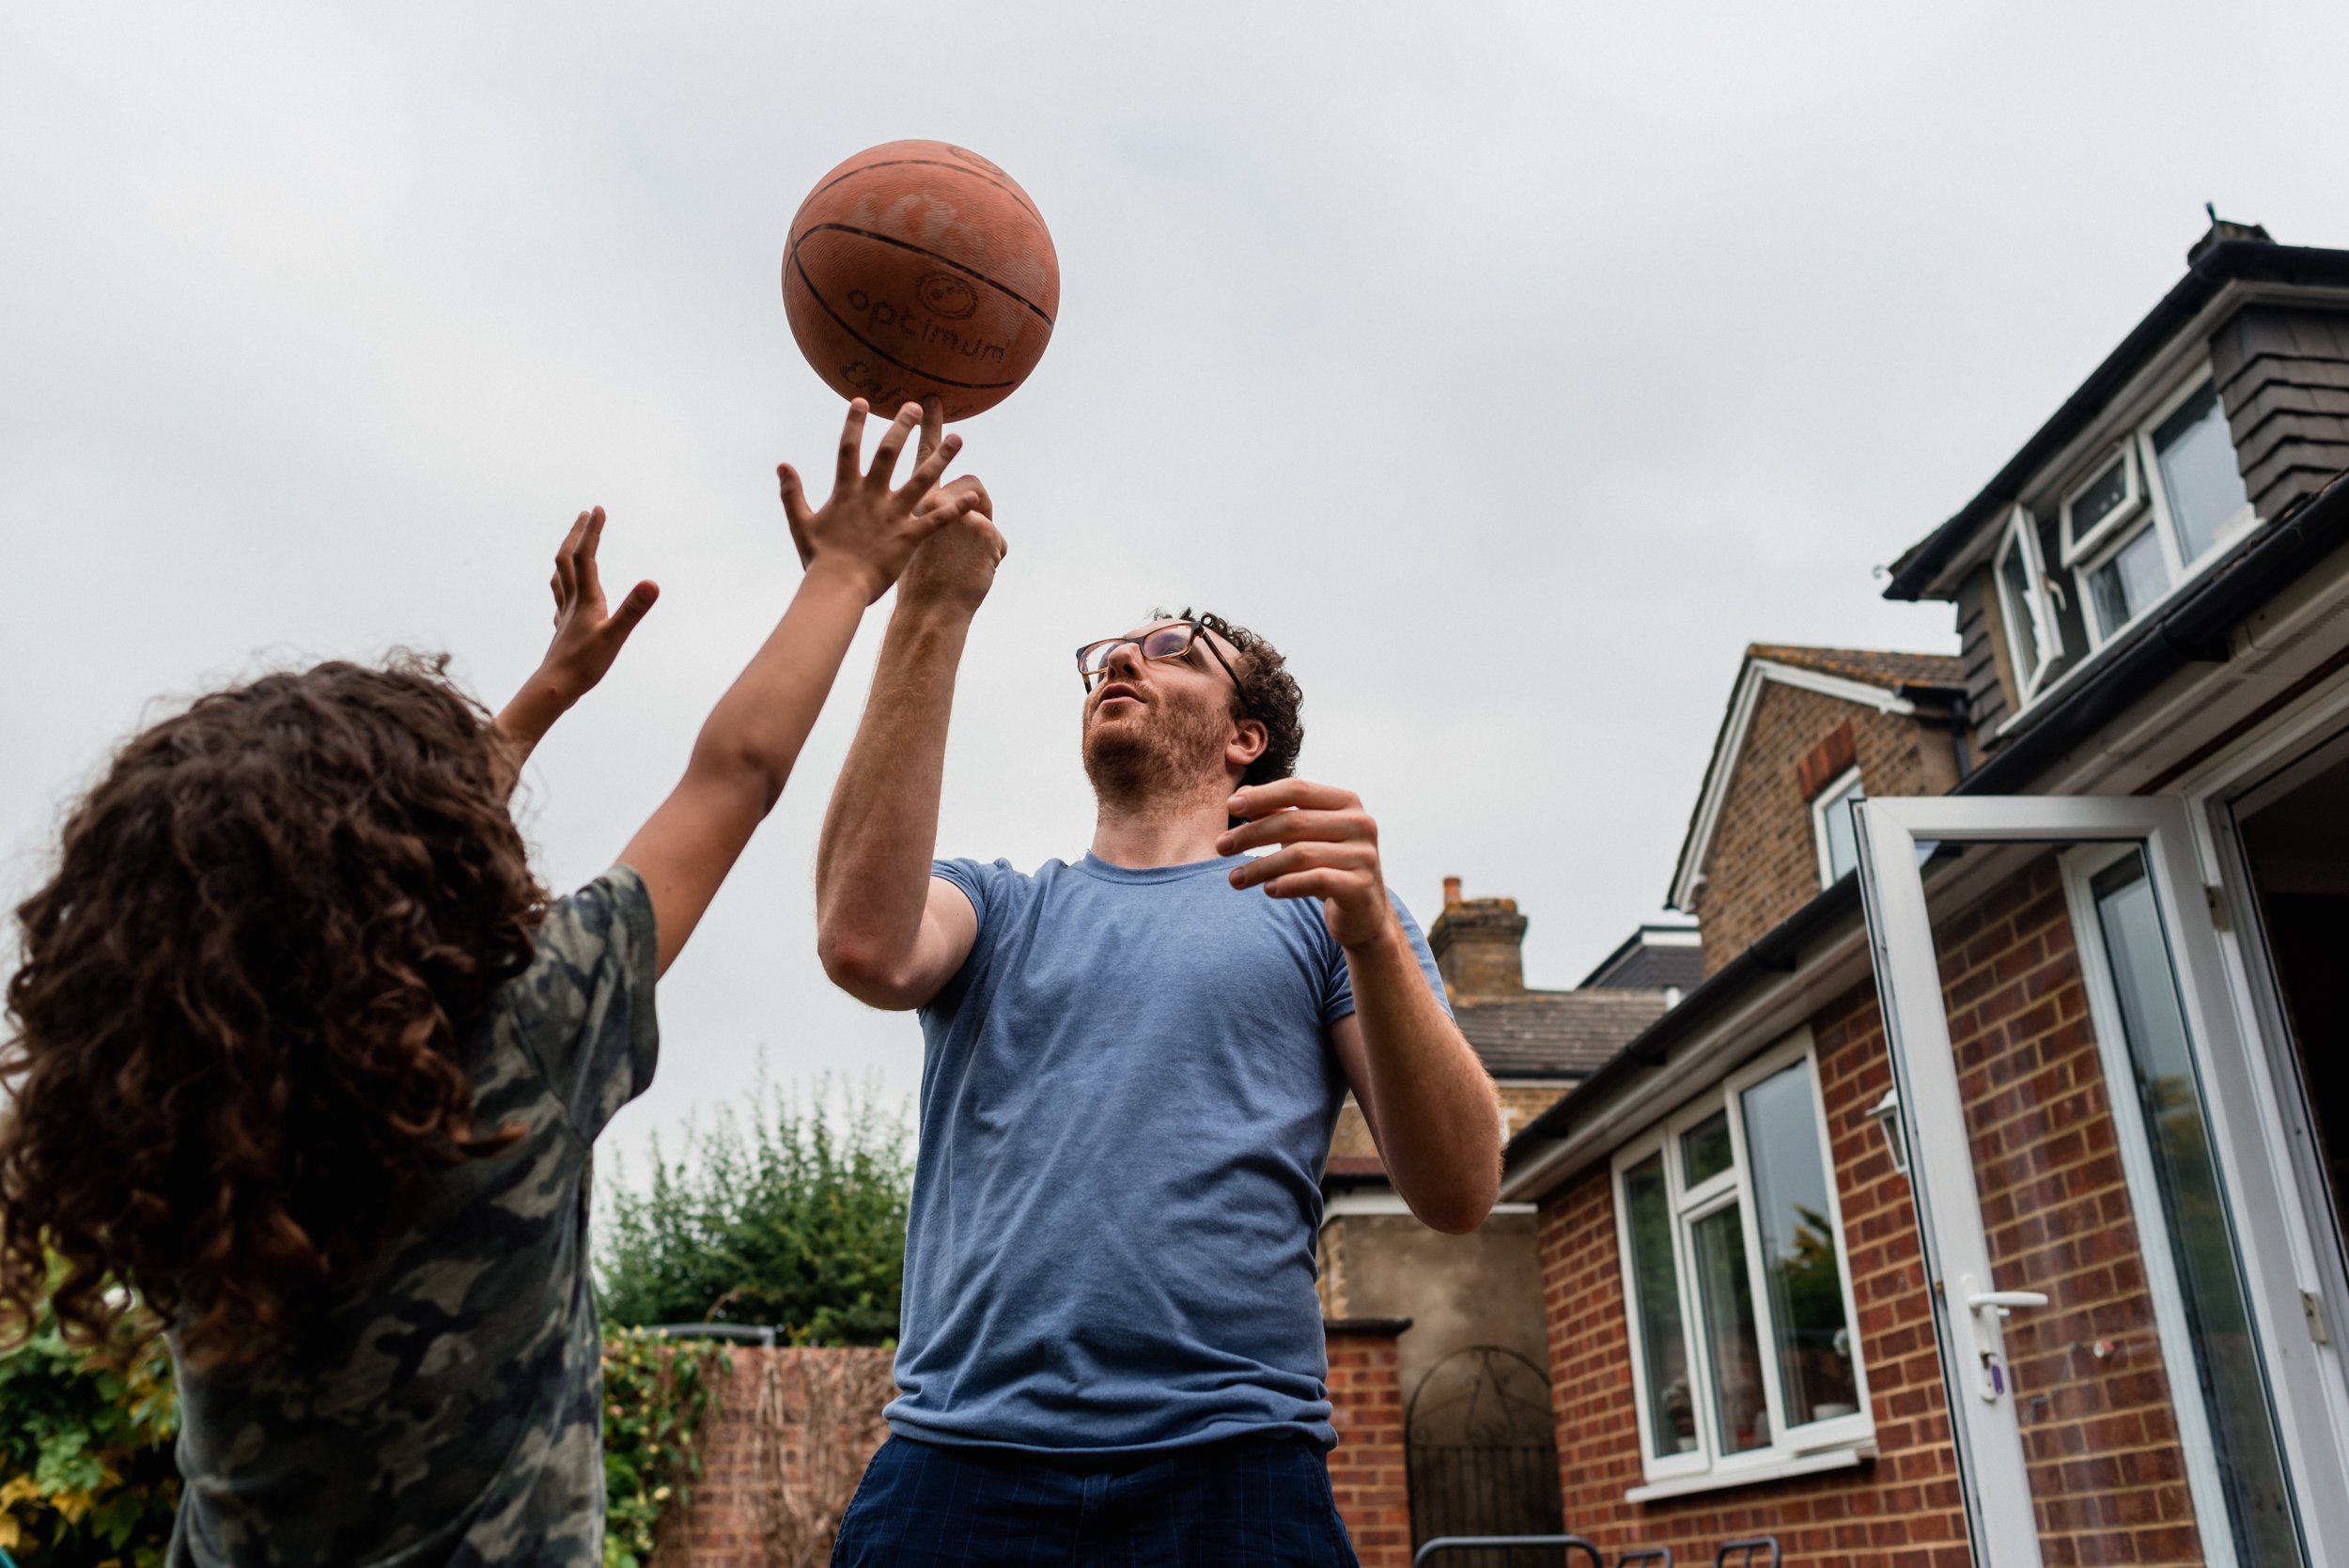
{"points": [[1843, 1458]]}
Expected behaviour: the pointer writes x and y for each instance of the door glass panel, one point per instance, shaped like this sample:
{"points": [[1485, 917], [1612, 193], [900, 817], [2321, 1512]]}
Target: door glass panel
{"points": [[1663, 1344], [1740, 1407], [2110, 1384], [1806, 1284], [1705, 1151], [2202, 1246]]}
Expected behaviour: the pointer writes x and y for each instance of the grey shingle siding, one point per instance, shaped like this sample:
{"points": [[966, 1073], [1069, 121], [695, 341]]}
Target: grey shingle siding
{"points": [[2283, 377], [1985, 693]]}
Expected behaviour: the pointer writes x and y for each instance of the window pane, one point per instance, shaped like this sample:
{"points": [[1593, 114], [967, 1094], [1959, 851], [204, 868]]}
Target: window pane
{"points": [[2199, 476], [1663, 1344], [1835, 825], [2100, 499], [2022, 614], [1798, 1264], [2133, 578], [2201, 1245], [1705, 1150], [1717, 1246]]}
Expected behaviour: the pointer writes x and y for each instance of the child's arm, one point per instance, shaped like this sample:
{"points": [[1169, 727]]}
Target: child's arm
{"points": [[854, 547], [587, 640]]}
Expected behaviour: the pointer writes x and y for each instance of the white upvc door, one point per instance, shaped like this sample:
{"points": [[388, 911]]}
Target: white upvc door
{"points": [[2128, 1364]]}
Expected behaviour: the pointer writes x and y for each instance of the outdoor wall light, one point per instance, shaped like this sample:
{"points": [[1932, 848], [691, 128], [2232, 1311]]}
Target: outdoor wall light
{"points": [[1886, 1113]]}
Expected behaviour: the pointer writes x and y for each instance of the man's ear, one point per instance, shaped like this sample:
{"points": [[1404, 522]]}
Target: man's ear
{"points": [[1248, 740]]}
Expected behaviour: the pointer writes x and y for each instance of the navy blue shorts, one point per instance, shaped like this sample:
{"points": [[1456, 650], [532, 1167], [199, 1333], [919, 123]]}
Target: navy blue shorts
{"points": [[1250, 1502]]}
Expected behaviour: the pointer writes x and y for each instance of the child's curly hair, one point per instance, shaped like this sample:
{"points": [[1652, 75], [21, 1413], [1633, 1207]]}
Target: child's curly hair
{"points": [[237, 1027]]}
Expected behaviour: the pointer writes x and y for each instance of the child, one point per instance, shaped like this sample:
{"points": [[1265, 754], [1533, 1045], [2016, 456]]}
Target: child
{"points": [[301, 1053]]}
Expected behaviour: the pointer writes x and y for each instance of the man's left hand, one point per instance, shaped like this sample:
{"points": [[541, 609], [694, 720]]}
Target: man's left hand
{"points": [[1328, 850]]}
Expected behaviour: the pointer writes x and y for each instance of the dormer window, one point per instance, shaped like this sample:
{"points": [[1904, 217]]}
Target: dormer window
{"points": [[2033, 638], [1831, 827], [2152, 509]]}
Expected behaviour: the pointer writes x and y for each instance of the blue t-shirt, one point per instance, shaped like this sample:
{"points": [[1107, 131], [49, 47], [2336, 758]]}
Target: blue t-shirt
{"points": [[1127, 1093]]}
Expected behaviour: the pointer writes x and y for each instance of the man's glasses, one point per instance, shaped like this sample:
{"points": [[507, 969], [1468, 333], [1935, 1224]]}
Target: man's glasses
{"points": [[1162, 642]]}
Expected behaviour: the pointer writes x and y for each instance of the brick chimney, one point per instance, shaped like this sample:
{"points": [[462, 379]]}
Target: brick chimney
{"points": [[1479, 944]]}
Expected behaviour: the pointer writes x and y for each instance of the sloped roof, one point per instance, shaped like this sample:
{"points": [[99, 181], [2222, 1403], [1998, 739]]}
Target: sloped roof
{"points": [[1554, 1033], [1877, 666], [1880, 679]]}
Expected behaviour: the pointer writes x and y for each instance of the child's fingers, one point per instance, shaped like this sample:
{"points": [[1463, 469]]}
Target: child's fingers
{"points": [[925, 474], [565, 573], [852, 444], [584, 571], [795, 504], [633, 610], [893, 441]]}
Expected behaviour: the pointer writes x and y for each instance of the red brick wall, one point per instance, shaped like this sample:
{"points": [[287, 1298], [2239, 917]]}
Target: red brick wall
{"points": [[1905, 1508], [2106, 1467], [780, 1458], [1763, 863], [1366, 1469], [794, 1430]]}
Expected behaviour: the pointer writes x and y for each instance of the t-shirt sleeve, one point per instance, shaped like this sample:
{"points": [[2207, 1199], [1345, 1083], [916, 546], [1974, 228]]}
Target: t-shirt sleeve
{"points": [[981, 883], [1338, 993], [584, 1010]]}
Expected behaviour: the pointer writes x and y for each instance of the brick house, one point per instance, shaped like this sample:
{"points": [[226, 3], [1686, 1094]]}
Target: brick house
{"points": [[1982, 1203]]}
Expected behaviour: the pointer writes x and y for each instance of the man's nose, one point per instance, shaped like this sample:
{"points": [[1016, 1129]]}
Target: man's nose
{"points": [[1125, 660]]}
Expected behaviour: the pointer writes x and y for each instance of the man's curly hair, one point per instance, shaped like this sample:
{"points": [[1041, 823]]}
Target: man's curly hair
{"points": [[1267, 694], [237, 1027]]}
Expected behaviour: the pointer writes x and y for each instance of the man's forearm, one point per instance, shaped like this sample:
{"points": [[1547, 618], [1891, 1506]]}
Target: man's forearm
{"points": [[1437, 1120], [872, 861]]}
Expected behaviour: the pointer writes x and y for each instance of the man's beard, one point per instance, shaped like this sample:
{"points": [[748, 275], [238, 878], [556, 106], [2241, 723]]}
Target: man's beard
{"points": [[1172, 755]]}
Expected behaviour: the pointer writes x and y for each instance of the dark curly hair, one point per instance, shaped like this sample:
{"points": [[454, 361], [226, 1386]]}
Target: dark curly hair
{"points": [[236, 1028], [1267, 694]]}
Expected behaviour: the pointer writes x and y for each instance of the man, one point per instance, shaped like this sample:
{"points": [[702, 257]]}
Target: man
{"points": [[1111, 1347]]}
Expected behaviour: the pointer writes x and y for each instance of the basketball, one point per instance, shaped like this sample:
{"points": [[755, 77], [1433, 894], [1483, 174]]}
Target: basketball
{"points": [[917, 269]]}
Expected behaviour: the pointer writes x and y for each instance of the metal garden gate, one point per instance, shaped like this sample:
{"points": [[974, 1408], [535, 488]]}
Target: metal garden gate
{"points": [[1481, 1447]]}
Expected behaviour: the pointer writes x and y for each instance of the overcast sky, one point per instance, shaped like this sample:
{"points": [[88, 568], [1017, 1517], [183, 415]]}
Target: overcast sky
{"points": [[1512, 367]]}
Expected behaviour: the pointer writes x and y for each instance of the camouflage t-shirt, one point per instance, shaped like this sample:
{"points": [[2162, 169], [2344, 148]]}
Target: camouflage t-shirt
{"points": [[445, 1407]]}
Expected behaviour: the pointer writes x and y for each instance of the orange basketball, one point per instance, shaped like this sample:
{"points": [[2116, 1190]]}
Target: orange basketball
{"points": [[917, 267]]}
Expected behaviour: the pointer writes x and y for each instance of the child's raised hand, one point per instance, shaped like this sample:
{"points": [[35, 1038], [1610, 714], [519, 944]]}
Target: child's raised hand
{"points": [[587, 640], [865, 528]]}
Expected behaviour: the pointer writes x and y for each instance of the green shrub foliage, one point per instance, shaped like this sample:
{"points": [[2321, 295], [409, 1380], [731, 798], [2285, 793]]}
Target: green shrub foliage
{"points": [[86, 1477], [799, 1224], [657, 1393]]}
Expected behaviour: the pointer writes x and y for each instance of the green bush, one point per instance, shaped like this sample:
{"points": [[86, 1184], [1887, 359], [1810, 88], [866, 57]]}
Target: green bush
{"points": [[799, 1224], [86, 1477], [656, 1394]]}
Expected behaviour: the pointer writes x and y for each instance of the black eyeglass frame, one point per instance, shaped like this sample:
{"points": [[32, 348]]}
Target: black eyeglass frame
{"points": [[1200, 632]]}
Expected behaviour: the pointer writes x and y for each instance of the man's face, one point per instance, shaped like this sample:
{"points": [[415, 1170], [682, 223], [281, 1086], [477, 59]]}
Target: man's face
{"points": [[1154, 725]]}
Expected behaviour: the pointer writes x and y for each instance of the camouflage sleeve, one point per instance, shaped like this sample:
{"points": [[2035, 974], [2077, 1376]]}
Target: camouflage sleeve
{"points": [[583, 1012]]}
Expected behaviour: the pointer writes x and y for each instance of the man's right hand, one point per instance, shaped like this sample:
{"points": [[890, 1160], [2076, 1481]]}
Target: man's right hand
{"points": [[954, 566]]}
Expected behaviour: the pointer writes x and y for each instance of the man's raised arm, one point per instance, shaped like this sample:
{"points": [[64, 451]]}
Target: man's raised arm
{"points": [[888, 933]]}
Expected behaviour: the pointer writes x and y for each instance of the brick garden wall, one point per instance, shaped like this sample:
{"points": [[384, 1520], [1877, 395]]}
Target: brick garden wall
{"points": [[795, 1428], [1366, 1469], [2107, 1471]]}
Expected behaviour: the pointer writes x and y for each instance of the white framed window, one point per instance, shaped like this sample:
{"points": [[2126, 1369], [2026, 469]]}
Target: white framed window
{"points": [[1830, 827], [2158, 508], [1744, 1356], [2033, 640], [2101, 505]]}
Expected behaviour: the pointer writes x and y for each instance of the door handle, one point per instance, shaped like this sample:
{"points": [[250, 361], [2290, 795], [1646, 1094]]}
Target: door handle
{"points": [[1988, 1309], [2005, 1298]]}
